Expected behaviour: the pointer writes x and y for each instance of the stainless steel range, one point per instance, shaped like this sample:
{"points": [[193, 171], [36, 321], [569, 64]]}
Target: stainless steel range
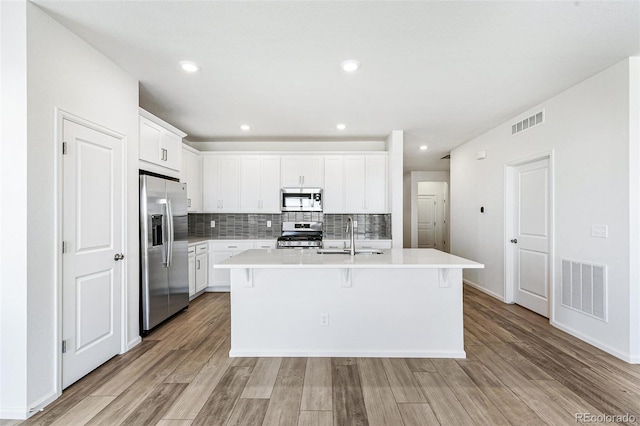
{"points": [[300, 235]]}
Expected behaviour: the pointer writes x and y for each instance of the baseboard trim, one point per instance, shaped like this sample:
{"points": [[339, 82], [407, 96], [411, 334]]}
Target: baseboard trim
{"points": [[346, 354], [14, 414], [25, 413], [134, 342], [593, 342], [484, 290], [218, 288]]}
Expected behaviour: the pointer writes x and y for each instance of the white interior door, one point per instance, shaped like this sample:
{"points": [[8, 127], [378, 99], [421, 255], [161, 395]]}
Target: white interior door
{"points": [[530, 242], [92, 232], [426, 221]]}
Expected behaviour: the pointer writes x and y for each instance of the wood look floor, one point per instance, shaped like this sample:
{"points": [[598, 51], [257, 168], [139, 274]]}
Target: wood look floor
{"points": [[519, 370]]}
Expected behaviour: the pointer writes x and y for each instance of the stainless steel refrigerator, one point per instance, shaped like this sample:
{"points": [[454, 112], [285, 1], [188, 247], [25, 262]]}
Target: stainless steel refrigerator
{"points": [[164, 276]]}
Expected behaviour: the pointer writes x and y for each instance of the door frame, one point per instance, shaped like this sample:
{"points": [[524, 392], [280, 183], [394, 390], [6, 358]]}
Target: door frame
{"points": [[58, 202], [509, 282]]}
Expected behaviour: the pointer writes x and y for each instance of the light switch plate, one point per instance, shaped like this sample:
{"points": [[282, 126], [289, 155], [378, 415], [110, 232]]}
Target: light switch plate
{"points": [[268, 224], [355, 223], [599, 231], [213, 223]]}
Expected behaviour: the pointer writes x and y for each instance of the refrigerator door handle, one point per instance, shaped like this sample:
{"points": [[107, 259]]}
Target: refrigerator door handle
{"points": [[170, 231], [165, 237]]}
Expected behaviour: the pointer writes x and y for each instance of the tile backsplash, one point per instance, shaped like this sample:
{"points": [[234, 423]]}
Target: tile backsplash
{"points": [[249, 226]]}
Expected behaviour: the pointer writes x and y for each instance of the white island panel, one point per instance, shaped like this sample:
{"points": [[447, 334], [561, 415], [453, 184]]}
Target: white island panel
{"points": [[402, 303]]}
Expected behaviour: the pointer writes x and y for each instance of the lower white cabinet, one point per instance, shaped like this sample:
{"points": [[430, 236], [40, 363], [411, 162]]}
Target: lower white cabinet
{"points": [[192, 271], [219, 251], [360, 244], [198, 268], [220, 279]]}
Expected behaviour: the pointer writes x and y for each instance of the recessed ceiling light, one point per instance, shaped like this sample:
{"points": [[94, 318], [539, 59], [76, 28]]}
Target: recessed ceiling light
{"points": [[341, 126], [423, 147], [350, 65], [245, 127], [189, 66]]}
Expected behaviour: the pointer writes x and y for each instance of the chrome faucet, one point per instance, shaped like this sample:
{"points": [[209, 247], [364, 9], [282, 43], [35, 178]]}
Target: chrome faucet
{"points": [[350, 230]]}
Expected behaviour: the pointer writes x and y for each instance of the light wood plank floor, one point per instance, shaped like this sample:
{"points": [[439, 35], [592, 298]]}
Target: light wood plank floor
{"points": [[519, 370]]}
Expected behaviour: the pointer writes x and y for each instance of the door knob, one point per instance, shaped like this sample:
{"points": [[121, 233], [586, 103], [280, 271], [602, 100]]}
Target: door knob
{"points": [[514, 241], [118, 256]]}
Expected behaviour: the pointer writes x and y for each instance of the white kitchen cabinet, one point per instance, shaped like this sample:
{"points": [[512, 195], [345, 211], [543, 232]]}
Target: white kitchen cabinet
{"points": [[373, 244], [360, 244], [264, 244], [160, 143], [220, 183], [192, 175], [198, 268], [201, 267], [333, 194], [220, 279], [192, 271], [259, 184], [302, 171], [365, 184]]}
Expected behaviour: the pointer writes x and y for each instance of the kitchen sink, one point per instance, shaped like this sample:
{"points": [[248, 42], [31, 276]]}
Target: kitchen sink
{"points": [[346, 251]]}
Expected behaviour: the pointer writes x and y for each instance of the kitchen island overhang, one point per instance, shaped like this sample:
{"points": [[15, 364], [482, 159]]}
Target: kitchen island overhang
{"points": [[401, 303]]}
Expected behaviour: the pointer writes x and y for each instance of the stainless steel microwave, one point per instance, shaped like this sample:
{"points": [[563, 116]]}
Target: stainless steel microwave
{"points": [[301, 200]]}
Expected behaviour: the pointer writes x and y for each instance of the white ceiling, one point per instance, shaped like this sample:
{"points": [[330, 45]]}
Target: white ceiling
{"points": [[444, 72]]}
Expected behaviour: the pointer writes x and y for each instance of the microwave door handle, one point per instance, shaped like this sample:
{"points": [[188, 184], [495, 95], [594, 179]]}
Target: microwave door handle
{"points": [[171, 237]]}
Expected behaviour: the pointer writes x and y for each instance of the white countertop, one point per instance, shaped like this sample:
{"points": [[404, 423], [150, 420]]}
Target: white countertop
{"points": [[309, 258]]}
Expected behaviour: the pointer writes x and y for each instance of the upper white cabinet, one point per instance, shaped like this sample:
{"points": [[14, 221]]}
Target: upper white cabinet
{"points": [[191, 174], [365, 184], [303, 170], [333, 194], [260, 184], [220, 183], [160, 143]]}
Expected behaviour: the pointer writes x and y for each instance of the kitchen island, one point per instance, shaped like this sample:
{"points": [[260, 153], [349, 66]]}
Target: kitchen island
{"points": [[401, 303]]}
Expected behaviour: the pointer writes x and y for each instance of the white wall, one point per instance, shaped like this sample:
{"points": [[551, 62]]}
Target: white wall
{"points": [[412, 180], [64, 72], [13, 209], [588, 129]]}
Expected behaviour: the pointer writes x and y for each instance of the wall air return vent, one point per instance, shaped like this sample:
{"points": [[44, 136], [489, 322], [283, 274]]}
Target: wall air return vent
{"points": [[584, 288], [527, 123]]}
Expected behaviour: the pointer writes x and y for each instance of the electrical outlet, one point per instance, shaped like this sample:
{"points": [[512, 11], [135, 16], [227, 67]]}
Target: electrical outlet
{"points": [[355, 224], [324, 319], [268, 224], [213, 223]]}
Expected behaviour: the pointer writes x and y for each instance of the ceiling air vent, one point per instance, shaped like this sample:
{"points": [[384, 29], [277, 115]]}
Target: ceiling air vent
{"points": [[446, 157], [527, 123]]}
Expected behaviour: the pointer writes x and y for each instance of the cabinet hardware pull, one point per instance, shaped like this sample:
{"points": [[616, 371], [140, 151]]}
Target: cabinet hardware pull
{"points": [[232, 246], [198, 262]]}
